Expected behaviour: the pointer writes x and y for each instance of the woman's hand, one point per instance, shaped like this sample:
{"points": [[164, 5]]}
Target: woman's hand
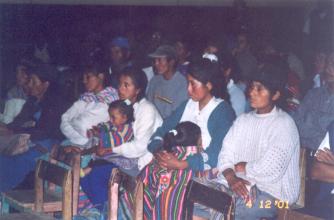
{"points": [[169, 161], [325, 156], [236, 184], [72, 149], [240, 167], [94, 132], [100, 151]]}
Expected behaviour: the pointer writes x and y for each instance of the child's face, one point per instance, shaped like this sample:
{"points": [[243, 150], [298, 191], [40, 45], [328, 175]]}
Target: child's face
{"points": [[116, 117]]}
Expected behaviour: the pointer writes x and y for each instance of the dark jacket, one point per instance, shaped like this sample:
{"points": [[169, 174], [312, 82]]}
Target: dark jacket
{"points": [[45, 113]]}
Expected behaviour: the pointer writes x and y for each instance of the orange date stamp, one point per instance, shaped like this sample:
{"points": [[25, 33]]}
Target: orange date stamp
{"points": [[268, 204]]}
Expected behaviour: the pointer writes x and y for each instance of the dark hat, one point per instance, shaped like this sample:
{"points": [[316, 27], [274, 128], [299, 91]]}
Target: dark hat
{"points": [[271, 76], [164, 51], [121, 42], [45, 72]]}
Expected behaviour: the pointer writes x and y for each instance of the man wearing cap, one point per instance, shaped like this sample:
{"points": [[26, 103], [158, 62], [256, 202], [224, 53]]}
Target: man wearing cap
{"points": [[119, 52], [168, 89]]}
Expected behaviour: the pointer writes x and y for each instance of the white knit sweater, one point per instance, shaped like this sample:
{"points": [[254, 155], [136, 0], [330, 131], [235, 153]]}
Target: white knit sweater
{"points": [[269, 143]]}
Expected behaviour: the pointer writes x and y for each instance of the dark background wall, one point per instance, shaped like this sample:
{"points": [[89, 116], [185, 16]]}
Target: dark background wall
{"points": [[66, 27]]}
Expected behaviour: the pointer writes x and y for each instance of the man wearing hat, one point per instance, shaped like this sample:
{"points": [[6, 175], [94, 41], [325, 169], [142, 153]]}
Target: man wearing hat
{"points": [[119, 54], [168, 89]]}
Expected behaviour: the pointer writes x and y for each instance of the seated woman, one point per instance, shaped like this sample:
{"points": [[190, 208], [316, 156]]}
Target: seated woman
{"points": [[132, 86], [111, 134], [206, 109], [40, 118], [90, 109], [259, 160], [159, 182]]}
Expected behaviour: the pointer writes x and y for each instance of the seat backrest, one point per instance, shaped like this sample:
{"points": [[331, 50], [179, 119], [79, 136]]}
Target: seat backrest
{"points": [[59, 174], [303, 175], [130, 185], [209, 197], [72, 159]]}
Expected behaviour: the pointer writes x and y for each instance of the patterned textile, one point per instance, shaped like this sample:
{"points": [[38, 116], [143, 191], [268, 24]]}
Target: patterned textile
{"points": [[108, 95], [164, 190], [84, 202], [111, 136]]}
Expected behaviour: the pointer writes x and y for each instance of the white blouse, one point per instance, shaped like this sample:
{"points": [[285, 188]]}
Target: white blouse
{"points": [[200, 117]]}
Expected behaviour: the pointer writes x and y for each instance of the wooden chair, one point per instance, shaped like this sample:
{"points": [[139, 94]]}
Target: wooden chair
{"points": [[130, 185], [287, 214], [72, 159], [24, 200], [303, 178], [209, 197], [53, 172]]}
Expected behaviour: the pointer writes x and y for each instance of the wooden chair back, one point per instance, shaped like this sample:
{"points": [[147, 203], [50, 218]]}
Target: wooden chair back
{"points": [[130, 185], [58, 174], [209, 197], [72, 159], [303, 176]]}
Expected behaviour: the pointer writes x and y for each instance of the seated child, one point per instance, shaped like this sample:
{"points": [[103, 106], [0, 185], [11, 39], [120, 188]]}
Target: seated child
{"points": [[113, 133], [108, 135], [160, 184]]}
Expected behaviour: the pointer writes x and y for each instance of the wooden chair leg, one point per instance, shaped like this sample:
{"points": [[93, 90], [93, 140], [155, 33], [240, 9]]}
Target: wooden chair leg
{"points": [[113, 194], [189, 210], [113, 202]]}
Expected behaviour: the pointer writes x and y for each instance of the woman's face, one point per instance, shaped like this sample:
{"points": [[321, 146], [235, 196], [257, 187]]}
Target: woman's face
{"points": [[197, 90], [93, 83], [260, 98], [127, 89], [21, 76], [36, 87]]}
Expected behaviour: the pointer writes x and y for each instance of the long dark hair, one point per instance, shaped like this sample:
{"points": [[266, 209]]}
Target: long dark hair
{"points": [[206, 71], [138, 78], [185, 134]]}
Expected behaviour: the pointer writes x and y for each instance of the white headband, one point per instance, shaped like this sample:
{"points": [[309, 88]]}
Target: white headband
{"points": [[127, 102], [174, 132], [212, 57]]}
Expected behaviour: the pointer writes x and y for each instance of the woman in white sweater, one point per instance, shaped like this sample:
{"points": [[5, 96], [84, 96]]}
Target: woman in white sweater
{"points": [[132, 86], [91, 108], [259, 160]]}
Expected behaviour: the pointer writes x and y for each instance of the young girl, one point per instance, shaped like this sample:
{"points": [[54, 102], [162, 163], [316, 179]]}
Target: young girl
{"points": [[161, 185], [111, 134]]}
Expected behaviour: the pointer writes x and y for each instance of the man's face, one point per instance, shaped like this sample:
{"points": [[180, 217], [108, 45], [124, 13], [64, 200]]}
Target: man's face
{"points": [[117, 55], [162, 65], [242, 42]]}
